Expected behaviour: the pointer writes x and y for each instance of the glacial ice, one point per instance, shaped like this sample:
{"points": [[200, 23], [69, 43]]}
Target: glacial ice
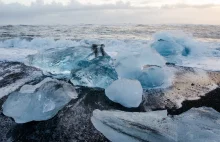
{"points": [[173, 47], [152, 76], [148, 67], [126, 62], [38, 102], [98, 72], [126, 92], [78, 63], [196, 125], [180, 48], [59, 61]]}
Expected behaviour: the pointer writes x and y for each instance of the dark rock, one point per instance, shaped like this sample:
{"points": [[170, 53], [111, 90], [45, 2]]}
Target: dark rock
{"points": [[170, 64]]}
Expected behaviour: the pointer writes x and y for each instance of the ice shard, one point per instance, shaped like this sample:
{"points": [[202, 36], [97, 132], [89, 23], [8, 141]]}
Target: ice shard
{"points": [[196, 125], [126, 92], [38, 102]]}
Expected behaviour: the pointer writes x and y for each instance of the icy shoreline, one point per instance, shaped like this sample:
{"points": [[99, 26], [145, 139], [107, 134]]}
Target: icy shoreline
{"points": [[46, 89], [75, 116]]}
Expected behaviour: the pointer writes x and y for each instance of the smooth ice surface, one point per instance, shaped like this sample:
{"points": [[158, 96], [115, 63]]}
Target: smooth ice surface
{"points": [[128, 63], [62, 60], [196, 125], [126, 92], [118, 126], [148, 67], [40, 103], [153, 76], [98, 72]]}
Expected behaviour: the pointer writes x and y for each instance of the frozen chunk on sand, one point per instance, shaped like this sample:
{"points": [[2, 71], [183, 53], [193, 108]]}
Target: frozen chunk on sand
{"points": [[196, 125], [42, 104], [126, 92], [135, 127]]}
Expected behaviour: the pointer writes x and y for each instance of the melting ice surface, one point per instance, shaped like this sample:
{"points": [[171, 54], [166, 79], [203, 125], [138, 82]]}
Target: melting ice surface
{"points": [[196, 125], [126, 92], [148, 67], [86, 70], [98, 72], [38, 102], [60, 60]]}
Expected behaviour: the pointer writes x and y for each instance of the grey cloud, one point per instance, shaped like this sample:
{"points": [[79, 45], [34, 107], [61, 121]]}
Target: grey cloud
{"points": [[76, 13]]}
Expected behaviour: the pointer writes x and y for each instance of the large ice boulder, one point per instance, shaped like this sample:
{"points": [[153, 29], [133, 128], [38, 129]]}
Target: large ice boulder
{"points": [[128, 63], [126, 92], [79, 64], [150, 76], [177, 47], [98, 72], [38, 102], [148, 67], [196, 125], [61, 60], [153, 76]]}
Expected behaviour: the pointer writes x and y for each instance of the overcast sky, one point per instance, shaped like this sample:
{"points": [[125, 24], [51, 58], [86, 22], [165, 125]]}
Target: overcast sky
{"points": [[110, 12]]}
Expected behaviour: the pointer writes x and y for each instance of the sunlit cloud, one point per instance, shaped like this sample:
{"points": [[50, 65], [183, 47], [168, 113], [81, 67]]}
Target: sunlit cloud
{"points": [[137, 3]]}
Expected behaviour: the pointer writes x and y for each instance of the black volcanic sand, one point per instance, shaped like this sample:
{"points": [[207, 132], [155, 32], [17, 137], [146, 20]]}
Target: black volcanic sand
{"points": [[212, 99], [72, 123]]}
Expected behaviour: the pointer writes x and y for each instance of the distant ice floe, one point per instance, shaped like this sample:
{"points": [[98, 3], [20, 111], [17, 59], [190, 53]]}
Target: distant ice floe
{"points": [[38, 102], [180, 48], [198, 124], [126, 92]]}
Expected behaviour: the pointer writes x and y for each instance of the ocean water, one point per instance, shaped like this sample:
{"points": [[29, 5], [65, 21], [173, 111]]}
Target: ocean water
{"points": [[203, 41]]}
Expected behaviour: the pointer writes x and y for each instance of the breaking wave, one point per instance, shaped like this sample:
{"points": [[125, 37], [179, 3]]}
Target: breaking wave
{"points": [[175, 47]]}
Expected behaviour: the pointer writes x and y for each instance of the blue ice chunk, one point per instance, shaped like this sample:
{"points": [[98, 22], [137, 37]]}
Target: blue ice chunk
{"points": [[126, 92], [167, 48], [186, 51], [59, 61], [42, 104], [152, 77], [99, 72]]}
